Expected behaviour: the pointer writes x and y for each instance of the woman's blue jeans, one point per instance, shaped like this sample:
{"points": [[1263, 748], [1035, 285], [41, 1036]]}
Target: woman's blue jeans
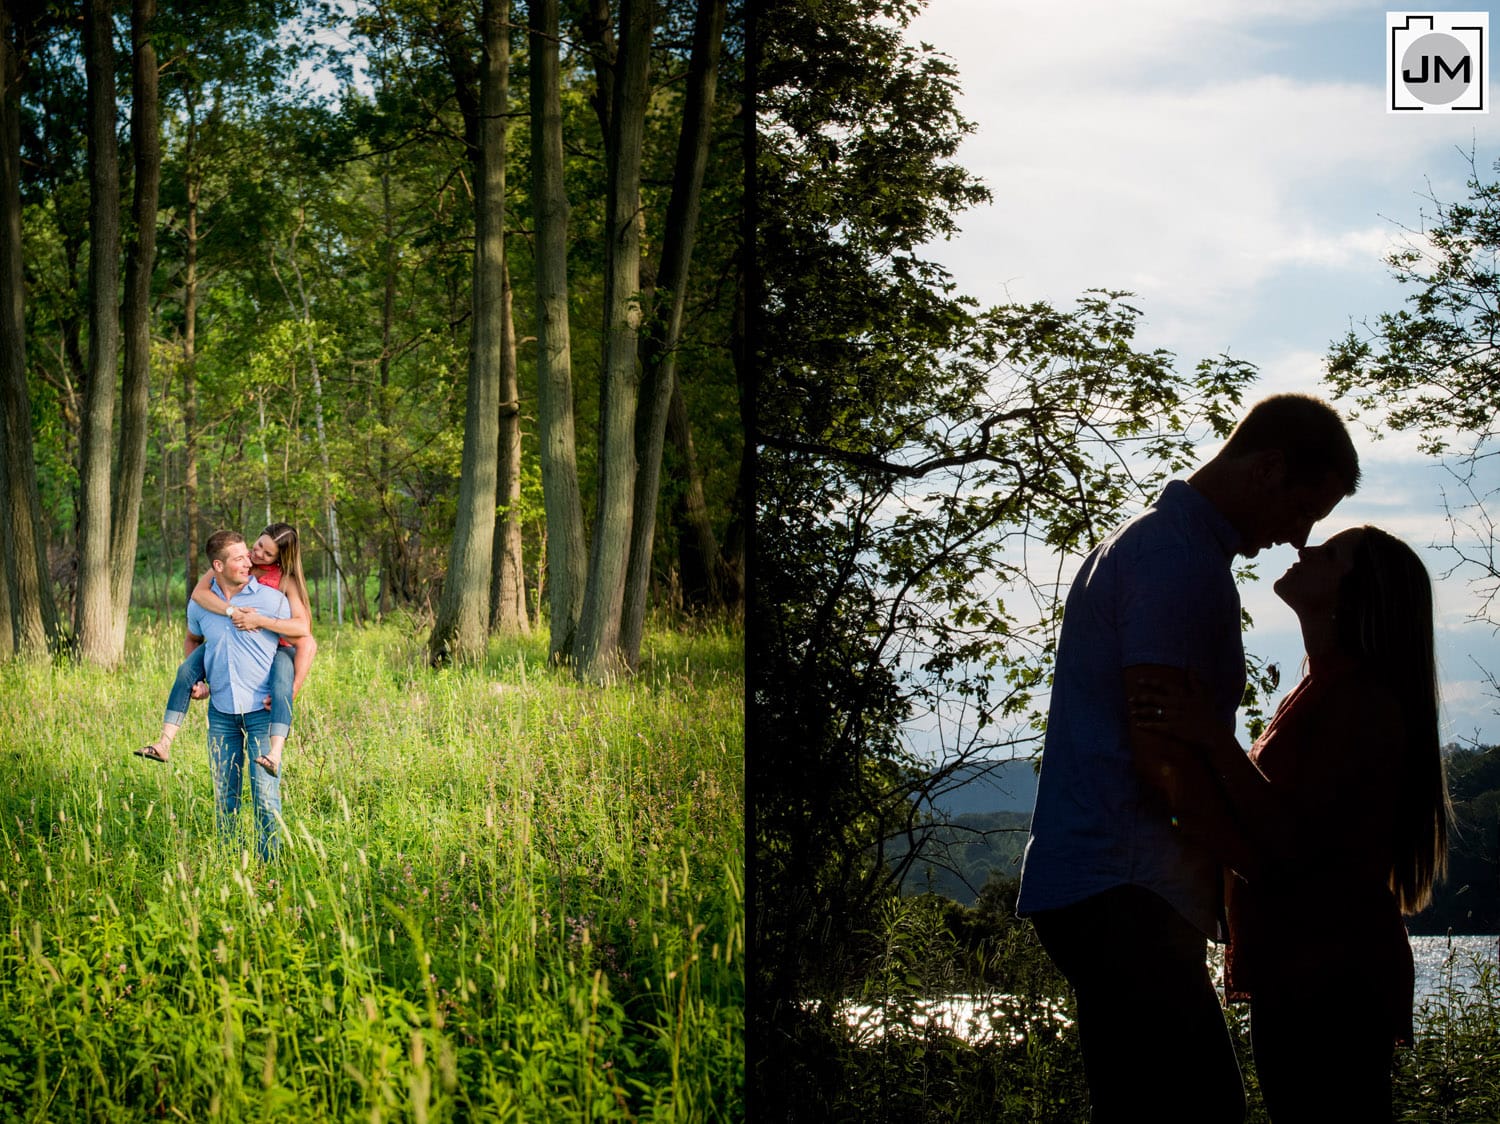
{"points": [[190, 671]]}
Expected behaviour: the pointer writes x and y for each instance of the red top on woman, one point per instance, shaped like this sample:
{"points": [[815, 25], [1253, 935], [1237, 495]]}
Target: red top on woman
{"points": [[1322, 912], [271, 576]]}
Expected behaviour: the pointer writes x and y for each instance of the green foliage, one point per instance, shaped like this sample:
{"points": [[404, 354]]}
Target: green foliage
{"points": [[1449, 1076], [503, 896], [1468, 901], [1432, 368], [1472, 772], [303, 192]]}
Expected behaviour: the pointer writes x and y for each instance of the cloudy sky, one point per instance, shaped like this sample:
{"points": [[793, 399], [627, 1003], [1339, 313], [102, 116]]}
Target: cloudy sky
{"points": [[1233, 165]]}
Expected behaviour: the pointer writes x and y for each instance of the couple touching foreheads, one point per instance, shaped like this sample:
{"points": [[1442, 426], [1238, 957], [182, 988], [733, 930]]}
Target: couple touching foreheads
{"points": [[1154, 831]]}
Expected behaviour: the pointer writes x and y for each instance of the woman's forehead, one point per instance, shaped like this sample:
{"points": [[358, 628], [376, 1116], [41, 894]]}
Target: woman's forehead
{"points": [[1345, 541]]}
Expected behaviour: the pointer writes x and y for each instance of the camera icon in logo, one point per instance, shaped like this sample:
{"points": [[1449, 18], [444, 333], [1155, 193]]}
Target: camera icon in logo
{"points": [[1437, 62]]}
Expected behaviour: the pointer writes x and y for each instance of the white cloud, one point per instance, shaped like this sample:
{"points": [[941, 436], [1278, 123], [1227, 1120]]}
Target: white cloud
{"points": [[1092, 43], [1345, 249], [1190, 202], [1190, 196]]}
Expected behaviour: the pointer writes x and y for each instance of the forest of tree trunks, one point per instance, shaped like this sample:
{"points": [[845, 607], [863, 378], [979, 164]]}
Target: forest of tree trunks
{"points": [[455, 297]]}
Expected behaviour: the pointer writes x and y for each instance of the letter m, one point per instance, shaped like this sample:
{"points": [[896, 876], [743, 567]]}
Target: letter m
{"points": [[1440, 65]]}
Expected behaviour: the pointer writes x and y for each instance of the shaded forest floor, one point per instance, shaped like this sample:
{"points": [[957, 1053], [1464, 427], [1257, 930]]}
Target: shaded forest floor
{"points": [[501, 895]]}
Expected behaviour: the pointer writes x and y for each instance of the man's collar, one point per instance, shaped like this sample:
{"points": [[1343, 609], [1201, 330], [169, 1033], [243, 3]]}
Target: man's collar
{"points": [[1182, 493], [250, 586]]}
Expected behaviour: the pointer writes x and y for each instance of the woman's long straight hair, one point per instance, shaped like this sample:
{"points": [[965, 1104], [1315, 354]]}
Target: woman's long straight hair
{"points": [[1385, 621], [289, 558]]}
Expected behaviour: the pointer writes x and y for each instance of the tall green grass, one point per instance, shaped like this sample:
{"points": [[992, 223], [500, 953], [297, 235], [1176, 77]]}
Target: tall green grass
{"points": [[1452, 1073], [501, 895]]}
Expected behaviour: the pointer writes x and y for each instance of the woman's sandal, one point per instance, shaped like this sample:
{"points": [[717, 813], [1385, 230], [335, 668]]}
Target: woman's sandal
{"points": [[151, 753], [265, 763]]}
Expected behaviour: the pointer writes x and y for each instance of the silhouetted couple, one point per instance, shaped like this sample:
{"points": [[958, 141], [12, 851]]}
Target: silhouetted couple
{"points": [[1154, 832]]}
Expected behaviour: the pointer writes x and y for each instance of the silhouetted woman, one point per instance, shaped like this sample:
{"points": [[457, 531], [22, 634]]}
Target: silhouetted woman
{"points": [[1336, 825]]}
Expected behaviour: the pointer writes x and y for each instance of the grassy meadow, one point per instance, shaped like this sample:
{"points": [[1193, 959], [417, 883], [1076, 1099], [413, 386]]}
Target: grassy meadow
{"points": [[501, 895]]}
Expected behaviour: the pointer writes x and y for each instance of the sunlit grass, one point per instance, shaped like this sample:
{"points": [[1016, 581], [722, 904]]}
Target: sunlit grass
{"points": [[502, 895]]}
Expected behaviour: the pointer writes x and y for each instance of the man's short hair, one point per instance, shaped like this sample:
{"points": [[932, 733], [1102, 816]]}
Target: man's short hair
{"points": [[1307, 431], [218, 544]]}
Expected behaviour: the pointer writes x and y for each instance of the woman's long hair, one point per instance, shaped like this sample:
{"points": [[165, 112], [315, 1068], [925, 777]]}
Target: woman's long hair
{"points": [[1384, 620], [289, 558]]}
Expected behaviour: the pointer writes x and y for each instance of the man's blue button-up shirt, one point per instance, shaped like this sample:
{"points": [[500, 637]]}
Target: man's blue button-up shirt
{"points": [[1160, 590], [237, 662]]}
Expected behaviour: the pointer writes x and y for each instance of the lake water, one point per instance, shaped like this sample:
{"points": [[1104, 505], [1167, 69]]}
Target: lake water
{"points": [[1439, 962], [1459, 959]]}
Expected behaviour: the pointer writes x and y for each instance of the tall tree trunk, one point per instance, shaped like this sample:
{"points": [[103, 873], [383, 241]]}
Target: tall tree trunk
{"points": [[265, 456], [699, 562], [592, 18], [31, 626], [190, 516], [599, 627], [737, 537], [194, 188], [164, 516], [566, 551], [330, 508], [388, 552], [303, 308], [659, 348], [93, 612], [145, 133], [461, 631], [508, 615], [7, 621]]}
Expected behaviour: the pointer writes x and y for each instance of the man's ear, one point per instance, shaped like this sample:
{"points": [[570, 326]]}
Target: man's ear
{"points": [[1268, 469]]}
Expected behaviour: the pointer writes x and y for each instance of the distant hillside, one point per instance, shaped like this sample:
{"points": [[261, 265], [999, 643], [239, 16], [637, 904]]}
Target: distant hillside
{"points": [[959, 858], [985, 812], [987, 787]]}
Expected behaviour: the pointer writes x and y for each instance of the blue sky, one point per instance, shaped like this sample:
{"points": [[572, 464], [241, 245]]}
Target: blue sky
{"points": [[1233, 165]]}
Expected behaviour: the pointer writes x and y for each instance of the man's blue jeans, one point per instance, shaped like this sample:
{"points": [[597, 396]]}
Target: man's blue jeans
{"points": [[235, 740], [190, 671]]}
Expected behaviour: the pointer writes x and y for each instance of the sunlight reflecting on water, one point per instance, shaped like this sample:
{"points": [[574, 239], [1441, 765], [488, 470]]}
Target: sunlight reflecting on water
{"points": [[978, 1018], [1439, 961]]}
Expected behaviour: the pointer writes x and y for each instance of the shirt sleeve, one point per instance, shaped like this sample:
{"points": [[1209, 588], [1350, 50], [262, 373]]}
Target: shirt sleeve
{"points": [[195, 618]]}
